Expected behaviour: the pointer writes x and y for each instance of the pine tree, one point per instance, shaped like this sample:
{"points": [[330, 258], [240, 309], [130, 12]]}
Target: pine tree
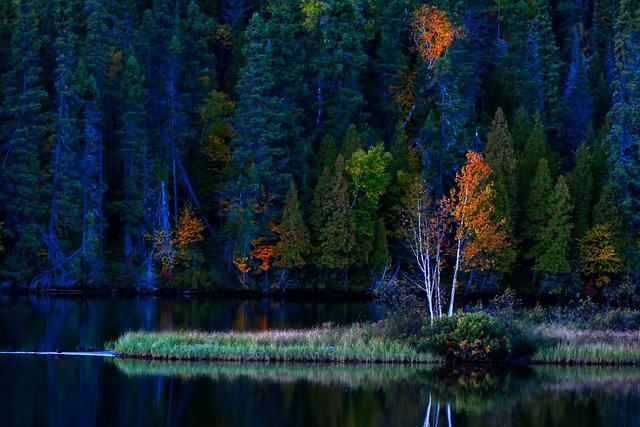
{"points": [[577, 103], [294, 244], [553, 242], [332, 220], [520, 129], [545, 63], [286, 36], [537, 206], [351, 142], [130, 203], [260, 176], [24, 136], [535, 149], [624, 134], [580, 181], [61, 236], [390, 64], [501, 158], [198, 62], [338, 62]]}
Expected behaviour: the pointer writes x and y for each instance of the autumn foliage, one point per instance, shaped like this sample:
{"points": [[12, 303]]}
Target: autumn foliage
{"points": [[598, 257], [472, 206], [432, 32]]}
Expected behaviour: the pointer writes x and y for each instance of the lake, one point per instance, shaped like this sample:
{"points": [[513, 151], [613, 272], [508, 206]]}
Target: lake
{"points": [[88, 391]]}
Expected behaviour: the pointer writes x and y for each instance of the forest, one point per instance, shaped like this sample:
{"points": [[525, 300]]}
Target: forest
{"points": [[323, 145]]}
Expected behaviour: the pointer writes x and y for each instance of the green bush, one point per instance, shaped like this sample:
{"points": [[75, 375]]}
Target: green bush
{"points": [[476, 337]]}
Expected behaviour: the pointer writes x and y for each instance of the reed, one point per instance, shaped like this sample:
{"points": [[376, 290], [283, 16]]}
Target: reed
{"points": [[355, 344]]}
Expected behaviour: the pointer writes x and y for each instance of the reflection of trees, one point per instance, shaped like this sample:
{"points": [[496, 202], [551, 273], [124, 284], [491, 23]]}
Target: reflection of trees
{"points": [[432, 416]]}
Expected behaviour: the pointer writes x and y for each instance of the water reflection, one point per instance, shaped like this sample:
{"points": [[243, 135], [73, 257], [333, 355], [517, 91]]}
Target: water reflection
{"points": [[49, 323], [94, 392], [76, 391]]}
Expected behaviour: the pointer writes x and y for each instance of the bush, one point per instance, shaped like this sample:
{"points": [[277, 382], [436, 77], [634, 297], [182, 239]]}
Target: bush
{"points": [[476, 337], [619, 320]]}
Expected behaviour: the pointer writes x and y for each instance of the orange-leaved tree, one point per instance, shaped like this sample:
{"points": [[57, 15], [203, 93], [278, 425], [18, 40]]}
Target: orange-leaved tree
{"points": [[188, 230], [478, 234], [432, 32]]}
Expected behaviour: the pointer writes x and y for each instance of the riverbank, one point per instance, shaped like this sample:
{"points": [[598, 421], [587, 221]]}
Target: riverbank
{"points": [[355, 344]]}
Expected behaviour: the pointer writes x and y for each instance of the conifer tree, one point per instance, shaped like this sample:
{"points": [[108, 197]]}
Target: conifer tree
{"points": [[577, 103], [580, 181], [260, 176], [553, 242], [535, 149], [332, 219], [501, 158], [25, 192], [338, 62], [536, 209], [130, 202], [520, 129], [294, 244], [351, 142], [545, 63], [61, 236], [390, 64], [624, 133]]}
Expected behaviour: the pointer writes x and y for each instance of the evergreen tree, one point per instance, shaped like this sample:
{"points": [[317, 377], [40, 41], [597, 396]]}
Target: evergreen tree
{"points": [[332, 219], [351, 142], [553, 243], [390, 64], [624, 134], [535, 149], [259, 184], [338, 62], [289, 66], [520, 129], [545, 64], [537, 209], [500, 156], [130, 203], [61, 236], [577, 103], [294, 244], [580, 181], [25, 192]]}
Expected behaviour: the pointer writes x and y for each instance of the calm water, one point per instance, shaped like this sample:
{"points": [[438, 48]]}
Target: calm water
{"points": [[74, 391]]}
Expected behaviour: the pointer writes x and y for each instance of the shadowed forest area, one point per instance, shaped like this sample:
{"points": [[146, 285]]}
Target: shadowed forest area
{"points": [[322, 145]]}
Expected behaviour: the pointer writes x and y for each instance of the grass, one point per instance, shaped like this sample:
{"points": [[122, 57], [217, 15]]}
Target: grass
{"points": [[588, 347], [355, 344]]}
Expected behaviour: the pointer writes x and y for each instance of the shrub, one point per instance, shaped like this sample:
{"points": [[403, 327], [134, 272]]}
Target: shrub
{"points": [[619, 320], [476, 337]]}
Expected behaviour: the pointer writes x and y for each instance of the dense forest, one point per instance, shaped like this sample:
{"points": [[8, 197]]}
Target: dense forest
{"points": [[325, 144]]}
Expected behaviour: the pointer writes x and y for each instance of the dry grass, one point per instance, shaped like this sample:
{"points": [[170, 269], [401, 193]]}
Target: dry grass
{"points": [[577, 346]]}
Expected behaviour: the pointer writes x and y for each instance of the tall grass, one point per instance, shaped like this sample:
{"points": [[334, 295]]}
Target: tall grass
{"points": [[359, 343], [602, 347]]}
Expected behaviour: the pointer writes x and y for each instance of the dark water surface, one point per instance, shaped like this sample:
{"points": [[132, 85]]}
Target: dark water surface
{"points": [[89, 391]]}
